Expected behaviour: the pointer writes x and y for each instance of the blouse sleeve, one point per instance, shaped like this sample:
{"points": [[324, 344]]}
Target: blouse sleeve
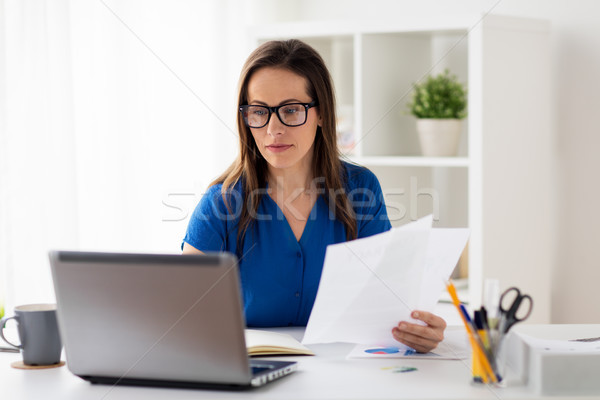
{"points": [[207, 228], [368, 202]]}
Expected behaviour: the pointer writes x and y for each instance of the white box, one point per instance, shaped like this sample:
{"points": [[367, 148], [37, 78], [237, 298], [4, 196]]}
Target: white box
{"points": [[544, 358]]}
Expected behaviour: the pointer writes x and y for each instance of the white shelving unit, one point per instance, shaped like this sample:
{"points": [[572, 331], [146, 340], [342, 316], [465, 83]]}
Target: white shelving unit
{"points": [[499, 185]]}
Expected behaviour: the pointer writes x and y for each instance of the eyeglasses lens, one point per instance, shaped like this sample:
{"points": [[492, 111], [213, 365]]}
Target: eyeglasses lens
{"points": [[256, 116], [292, 114]]}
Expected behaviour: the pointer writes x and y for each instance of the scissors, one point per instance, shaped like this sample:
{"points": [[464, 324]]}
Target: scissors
{"points": [[510, 315]]}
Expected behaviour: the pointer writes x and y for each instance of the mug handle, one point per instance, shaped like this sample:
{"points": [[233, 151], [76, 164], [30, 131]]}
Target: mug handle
{"points": [[2, 324]]}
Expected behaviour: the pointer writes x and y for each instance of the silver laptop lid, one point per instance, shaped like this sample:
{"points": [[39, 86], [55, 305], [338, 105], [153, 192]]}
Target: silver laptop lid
{"points": [[148, 316]]}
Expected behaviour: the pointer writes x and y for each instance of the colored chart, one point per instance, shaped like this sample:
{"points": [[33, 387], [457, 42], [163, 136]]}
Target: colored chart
{"points": [[383, 350]]}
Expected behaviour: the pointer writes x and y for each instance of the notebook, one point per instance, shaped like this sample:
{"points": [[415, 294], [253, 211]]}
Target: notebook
{"points": [[158, 320], [267, 343]]}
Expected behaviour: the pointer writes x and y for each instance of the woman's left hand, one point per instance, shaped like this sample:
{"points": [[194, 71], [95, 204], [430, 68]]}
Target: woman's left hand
{"points": [[421, 338]]}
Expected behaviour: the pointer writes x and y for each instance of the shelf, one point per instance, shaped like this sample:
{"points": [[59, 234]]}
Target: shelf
{"points": [[464, 23], [416, 161], [406, 24]]}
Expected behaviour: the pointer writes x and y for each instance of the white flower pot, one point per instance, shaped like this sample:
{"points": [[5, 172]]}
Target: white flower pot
{"points": [[439, 137]]}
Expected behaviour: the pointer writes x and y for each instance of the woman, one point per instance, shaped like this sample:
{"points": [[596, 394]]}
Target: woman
{"points": [[288, 195]]}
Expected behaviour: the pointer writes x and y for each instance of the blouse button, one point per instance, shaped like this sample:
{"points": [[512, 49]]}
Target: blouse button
{"points": [[297, 294], [299, 254]]}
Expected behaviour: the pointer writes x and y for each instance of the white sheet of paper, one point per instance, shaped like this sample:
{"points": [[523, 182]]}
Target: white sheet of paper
{"points": [[445, 247], [369, 285]]}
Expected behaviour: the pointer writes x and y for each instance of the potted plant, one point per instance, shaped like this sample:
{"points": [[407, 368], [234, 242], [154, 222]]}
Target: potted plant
{"points": [[439, 103]]}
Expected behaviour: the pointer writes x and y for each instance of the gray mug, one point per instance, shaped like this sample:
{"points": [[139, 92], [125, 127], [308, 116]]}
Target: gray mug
{"points": [[38, 333]]}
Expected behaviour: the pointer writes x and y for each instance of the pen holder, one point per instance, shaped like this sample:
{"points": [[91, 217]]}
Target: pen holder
{"points": [[489, 364], [486, 336]]}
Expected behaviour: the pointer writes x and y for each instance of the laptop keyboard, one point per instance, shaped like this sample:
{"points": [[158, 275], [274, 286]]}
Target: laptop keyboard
{"points": [[259, 368], [264, 373]]}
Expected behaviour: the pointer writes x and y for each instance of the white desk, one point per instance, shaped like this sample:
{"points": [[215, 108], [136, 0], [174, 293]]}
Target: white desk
{"points": [[328, 375]]}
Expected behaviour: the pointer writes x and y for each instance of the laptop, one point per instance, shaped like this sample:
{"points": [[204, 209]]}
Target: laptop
{"points": [[156, 320]]}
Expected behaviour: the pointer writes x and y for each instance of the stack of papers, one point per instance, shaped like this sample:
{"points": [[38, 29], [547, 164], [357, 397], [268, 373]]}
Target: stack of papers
{"points": [[369, 285]]}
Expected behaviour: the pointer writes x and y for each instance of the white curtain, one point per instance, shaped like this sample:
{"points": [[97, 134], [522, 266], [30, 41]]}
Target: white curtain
{"points": [[114, 116], [37, 188]]}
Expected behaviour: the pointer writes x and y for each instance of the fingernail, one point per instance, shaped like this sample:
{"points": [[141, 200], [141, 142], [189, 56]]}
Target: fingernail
{"points": [[402, 326], [415, 314]]}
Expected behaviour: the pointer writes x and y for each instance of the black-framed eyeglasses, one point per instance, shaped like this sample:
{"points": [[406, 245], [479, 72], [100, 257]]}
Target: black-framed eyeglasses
{"points": [[292, 114]]}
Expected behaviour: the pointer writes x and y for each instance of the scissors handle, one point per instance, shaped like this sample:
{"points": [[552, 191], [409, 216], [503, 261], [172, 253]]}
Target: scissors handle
{"points": [[510, 314], [517, 306]]}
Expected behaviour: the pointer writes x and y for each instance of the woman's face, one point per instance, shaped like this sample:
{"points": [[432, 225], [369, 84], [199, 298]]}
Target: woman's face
{"points": [[283, 146]]}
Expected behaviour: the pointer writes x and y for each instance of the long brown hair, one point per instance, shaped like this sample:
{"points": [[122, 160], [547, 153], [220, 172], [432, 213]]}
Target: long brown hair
{"points": [[251, 168]]}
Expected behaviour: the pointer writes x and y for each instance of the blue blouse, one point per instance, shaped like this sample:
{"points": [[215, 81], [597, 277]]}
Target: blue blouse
{"points": [[280, 274]]}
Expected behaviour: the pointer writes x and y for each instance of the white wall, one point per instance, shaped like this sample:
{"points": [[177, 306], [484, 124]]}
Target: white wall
{"points": [[576, 87]]}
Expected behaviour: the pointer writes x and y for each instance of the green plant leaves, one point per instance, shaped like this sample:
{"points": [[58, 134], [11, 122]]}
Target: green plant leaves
{"points": [[440, 96]]}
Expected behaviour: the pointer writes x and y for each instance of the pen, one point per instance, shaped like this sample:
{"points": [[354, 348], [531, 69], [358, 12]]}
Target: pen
{"points": [[465, 313], [484, 318], [480, 325], [476, 361]]}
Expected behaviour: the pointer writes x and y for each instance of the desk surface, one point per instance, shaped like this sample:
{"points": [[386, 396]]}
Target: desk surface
{"points": [[328, 375]]}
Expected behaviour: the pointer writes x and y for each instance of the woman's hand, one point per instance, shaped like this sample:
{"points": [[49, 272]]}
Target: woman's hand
{"points": [[421, 338]]}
